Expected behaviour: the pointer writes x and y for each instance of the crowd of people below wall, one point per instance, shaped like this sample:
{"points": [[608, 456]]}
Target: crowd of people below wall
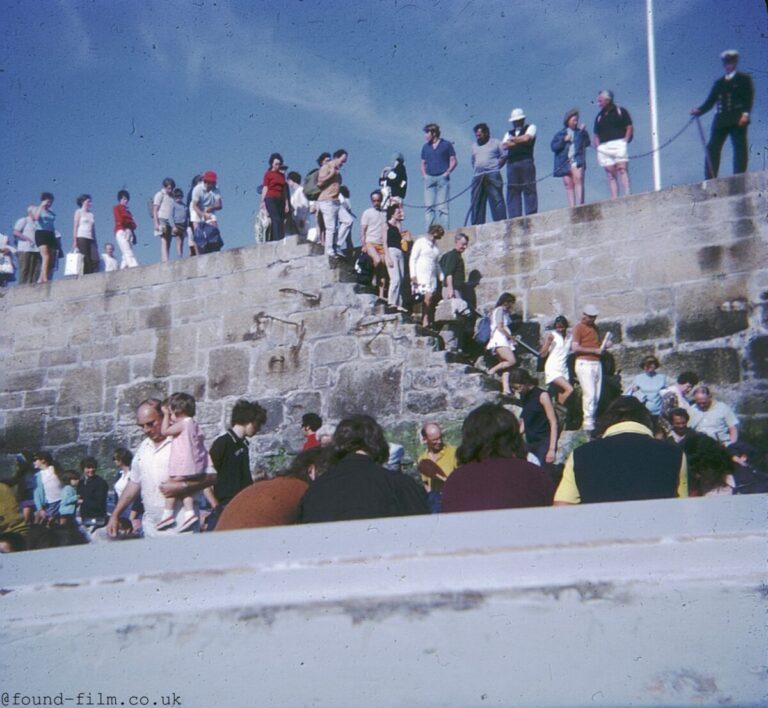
{"points": [[661, 438], [318, 206]]}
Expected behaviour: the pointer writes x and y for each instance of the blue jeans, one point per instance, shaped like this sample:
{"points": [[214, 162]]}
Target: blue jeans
{"points": [[521, 183], [489, 188], [437, 192]]}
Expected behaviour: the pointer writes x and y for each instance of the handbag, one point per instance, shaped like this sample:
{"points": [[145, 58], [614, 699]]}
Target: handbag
{"points": [[6, 265], [74, 263]]}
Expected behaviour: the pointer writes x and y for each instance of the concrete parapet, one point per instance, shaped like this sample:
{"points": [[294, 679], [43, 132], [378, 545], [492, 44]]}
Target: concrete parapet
{"points": [[634, 603]]}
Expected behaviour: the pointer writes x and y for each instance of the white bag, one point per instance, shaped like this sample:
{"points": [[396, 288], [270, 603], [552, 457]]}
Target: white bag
{"points": [[74, 264]]}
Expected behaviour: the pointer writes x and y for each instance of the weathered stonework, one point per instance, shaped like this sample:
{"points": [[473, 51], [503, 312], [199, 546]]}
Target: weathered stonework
{"points": [[682, 274]]}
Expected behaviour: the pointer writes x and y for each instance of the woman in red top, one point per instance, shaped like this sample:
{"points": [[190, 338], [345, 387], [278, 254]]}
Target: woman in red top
{"points": [[124, 227], [274, 195]]}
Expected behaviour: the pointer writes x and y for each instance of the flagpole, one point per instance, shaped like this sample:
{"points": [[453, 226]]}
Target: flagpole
{"points": [[652, 96]]}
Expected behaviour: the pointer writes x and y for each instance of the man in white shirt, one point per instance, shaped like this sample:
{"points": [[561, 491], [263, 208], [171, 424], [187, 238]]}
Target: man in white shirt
{"points": [[108, 261], [713, 418], [26, 250], [205, 202], [149, 475], [373, 238]]}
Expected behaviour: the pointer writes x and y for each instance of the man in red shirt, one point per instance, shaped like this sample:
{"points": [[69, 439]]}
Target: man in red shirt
{"points": [[587, 348]]}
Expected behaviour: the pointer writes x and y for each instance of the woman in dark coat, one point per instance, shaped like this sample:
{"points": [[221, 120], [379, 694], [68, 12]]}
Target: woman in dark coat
{"points": [[570, 148]]}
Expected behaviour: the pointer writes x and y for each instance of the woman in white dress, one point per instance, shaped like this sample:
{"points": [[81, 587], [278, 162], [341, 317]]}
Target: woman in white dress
{"points": [[84, 234], [556, 347], [501, 342], [424, 268]]}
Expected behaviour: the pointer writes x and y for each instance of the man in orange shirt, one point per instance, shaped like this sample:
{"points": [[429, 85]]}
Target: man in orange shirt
{"points": [[586, 346]]}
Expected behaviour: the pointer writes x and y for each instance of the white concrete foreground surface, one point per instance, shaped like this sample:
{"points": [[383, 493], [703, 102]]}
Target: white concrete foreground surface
{"points": [[641, 604]]}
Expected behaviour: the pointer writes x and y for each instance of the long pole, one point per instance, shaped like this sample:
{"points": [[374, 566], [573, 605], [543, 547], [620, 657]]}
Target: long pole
{"points": [[652, 96]]}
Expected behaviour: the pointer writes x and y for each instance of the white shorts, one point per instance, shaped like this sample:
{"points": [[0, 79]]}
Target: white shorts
{"points": [[612, 152]]}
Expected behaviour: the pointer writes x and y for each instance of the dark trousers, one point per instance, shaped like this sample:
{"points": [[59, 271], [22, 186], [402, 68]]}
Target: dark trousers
{"points": [[29, 267], [276, 211], [90, 252], [488, 188], [521, 184], [715, 147]]}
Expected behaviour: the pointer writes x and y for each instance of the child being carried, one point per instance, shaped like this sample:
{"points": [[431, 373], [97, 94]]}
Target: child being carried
{"points": [[189, 459]]}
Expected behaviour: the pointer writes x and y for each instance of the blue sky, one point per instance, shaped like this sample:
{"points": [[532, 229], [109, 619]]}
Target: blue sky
{"points": [[101, 95]]}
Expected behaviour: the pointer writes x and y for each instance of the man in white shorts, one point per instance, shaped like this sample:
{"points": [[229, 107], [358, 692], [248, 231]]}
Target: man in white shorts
{"points": [[613, 132]]}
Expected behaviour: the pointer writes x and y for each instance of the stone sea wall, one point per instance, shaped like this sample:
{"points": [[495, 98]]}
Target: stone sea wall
{"points": [[682, 273]]}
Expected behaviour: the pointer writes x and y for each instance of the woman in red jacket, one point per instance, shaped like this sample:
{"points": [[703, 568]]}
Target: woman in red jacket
{"points": [[124, 229]]}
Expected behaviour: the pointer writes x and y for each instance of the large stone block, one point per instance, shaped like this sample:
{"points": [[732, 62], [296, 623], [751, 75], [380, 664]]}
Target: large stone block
{"points": [[714, 324], [193, 385], [117, 373], [301, 402], [24, 381], [157, 317], [38, 398], [24, 430], [379, 347], [282, 368], [274, 408], [717, 365], [8, 401], [69, 456], [652, 328], [62, 431], [127, 324], [427, 403], [131, 396], [100, 424], [375, 390], [425, 379], [228, 372], [334, 350], [757, 359], [175, 351], [59, 357], [81, 392], [141, 367]]}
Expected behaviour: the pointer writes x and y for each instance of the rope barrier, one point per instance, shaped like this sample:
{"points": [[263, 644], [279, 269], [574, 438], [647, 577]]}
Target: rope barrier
{"points": [[447, 201], [707, 156], [666, 143]]}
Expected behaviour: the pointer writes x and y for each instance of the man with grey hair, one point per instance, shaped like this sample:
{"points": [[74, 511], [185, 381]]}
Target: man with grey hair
{"points": [[613, 132], [26, 250], [149, 475]]}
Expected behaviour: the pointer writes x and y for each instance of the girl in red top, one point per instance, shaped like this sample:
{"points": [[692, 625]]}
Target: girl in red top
{"points": [[124, 227], [274, 195]]}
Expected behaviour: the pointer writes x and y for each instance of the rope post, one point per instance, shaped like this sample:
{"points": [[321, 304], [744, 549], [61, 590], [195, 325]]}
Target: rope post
{"points": [[708, 159]]}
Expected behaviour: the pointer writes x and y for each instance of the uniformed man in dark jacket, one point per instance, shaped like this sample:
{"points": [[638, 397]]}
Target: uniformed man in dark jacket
{"points": [[733, 94]]}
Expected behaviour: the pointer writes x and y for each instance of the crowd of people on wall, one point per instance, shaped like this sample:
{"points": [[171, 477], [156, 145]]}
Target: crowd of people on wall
{"points": [[317, 207], [654, 436]]}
